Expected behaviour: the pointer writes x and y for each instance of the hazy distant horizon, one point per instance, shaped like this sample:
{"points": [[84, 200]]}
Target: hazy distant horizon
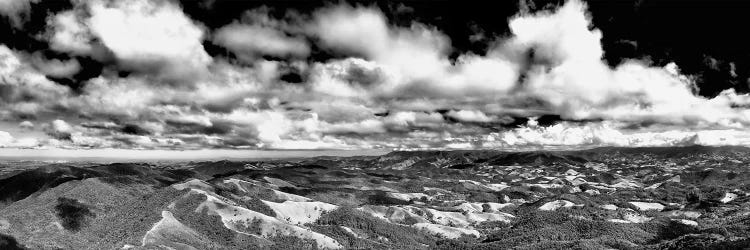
{"points": [[52, 154], [176, 155]]}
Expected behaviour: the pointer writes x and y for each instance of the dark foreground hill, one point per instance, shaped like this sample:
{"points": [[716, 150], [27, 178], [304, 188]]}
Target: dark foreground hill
{"points": [[605, 198]]}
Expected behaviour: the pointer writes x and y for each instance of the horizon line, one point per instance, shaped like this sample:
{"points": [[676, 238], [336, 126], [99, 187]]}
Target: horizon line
{"points": [[241, 154], [166, 154]]}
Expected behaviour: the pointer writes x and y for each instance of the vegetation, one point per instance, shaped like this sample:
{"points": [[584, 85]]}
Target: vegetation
{"points": [[72, 213], [7, 242], [544, 200], [375, 229], [282, 242]]}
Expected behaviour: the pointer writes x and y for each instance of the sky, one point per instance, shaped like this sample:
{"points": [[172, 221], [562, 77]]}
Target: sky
{"points": [[155, 76]]}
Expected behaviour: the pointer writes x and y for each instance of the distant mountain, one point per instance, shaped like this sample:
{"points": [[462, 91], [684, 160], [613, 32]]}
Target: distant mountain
{"points": [[667, 152], [20, 185], [468, 158]]}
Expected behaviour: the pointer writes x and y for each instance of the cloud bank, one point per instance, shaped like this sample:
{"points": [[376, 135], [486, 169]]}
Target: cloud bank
{"points": [[386, 86]]}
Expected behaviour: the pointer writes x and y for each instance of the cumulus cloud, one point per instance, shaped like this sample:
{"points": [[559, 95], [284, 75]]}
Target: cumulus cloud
{"points": [[68, 33], [16, 10], [469, 116], [260, 36], [414, 60], [59, 129], [551, 63], [386, 86], [56, 67], [150, 33], [562, 58], [610, 134], [24, 91], [28, 125], [153, 37], [7, 140]]}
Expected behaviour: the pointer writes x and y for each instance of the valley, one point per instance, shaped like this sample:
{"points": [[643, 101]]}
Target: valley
{"points": [[606, 198]]}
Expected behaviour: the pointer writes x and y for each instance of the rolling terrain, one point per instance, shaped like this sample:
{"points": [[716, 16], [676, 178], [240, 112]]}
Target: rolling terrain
{"points": [[606, 198]]}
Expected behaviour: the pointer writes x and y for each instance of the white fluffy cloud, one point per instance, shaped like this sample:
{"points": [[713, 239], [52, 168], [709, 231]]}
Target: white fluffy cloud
{"points": [[566, 69], [68, 33], [59, 129], [16, 10], [56, 67], [567, 73], [251, 41], [469, 116], [24, 90], [389, 87], [564, 75], [611, 134], [144, 34], [26, 125], [414, 59], [153, 37], [7, 140]]}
